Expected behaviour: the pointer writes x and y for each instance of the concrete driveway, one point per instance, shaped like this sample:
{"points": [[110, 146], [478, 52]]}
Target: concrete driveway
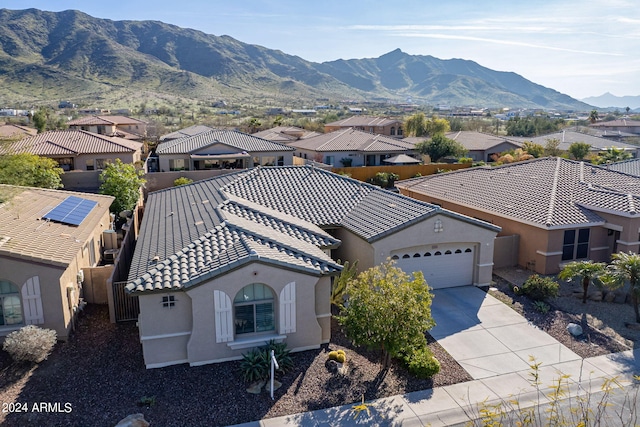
{"points": [[488, 338]]}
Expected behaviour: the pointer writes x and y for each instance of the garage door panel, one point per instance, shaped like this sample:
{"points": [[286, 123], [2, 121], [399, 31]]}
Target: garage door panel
{"points": [[446, 266]]}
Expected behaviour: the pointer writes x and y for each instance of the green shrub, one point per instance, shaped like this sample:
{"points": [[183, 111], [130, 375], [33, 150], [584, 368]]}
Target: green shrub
{"points": [[541, 307], [30, 344], [422, 363], [256, 364], [539, 288], [183, 180]]}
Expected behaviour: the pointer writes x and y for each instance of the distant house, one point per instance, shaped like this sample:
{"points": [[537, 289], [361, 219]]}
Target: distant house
{"points": [[79, 150], [558, 210], [568, 137], [227, 264], [351, 147], [47, 238], [378, 125], [121, 126], [220, 149], [620, 125], [482, 146], [186, 132], [285, 134]]}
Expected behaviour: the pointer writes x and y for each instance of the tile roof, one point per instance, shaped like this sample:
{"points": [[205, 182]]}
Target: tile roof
{"points": [[73, 142], [189, 131], [285, 134], [364, 121], [271, 214], [547, 192], [472, 140], [617, 123], [353, 140], [35, 239], [104, 120], [630, 167], [11, 131], [568, 137], [231, 138]]}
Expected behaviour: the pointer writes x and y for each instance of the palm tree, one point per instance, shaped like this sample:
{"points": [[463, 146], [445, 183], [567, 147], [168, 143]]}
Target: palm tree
{"points": [[625, 267], [587, 271], [593, 116]]}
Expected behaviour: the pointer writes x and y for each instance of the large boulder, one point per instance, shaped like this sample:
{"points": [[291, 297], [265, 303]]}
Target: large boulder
{"points": [[133, 420], [574, 329]]}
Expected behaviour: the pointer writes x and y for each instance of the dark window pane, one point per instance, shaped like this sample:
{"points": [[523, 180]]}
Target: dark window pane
{"points": [[583, 235], [582, 251], [264, 317], [244, 319], [567, 252], [569, 237]]}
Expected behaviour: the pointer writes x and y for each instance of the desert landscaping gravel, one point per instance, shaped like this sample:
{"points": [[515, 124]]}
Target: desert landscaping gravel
{"points": [[100, 372]]}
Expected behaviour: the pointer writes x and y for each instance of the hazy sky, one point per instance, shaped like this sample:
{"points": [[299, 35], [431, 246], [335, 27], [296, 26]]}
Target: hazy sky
{"points": [[578, 47]]}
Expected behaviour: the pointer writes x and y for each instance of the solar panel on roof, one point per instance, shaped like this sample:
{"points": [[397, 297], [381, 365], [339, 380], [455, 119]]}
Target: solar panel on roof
{"points": [[72, 210]]}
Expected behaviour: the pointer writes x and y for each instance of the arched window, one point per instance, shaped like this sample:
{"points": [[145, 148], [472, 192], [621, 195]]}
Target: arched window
{"points": [[416, 255], [395, 257], [10, 307], [393, 131], [447, 252], [405, 256], [458, 251], [254, 309], [467, 250], [427, 254], [438, 253]]}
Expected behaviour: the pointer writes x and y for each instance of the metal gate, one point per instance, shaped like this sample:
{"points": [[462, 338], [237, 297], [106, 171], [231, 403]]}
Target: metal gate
{"points": [[126, 307]]}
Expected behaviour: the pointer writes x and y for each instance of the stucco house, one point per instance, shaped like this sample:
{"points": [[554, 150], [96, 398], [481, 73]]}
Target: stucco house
{"points": [[619, 125], [78, 150], [560, 210], [218, 149], [351, 147], [47, 238], [482, 146], [378, 125], [226, 264], [285, 134], [121, 126]]}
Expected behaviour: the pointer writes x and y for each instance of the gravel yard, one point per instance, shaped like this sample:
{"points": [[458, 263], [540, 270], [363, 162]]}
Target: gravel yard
{"points": [[100, 371]]}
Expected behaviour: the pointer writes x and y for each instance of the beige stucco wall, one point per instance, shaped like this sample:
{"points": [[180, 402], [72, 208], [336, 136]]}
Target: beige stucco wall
{"points": [[187, 332]]}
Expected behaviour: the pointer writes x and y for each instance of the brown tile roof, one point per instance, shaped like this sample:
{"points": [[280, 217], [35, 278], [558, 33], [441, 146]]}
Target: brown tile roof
{"points": [[73, 142], [472, 140], [353, 140], [11, 131], [617, 123], [285, 134], [547, 192], [32, 238], [364, 121], [104, 120]]}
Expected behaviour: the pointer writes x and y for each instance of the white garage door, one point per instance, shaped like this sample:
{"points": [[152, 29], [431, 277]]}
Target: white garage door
{"points": [[443, 267]]}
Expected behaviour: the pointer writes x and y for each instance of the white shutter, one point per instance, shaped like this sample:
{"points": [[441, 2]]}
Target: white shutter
{"points": [[32, 302], [224, 316], [288, 309]]}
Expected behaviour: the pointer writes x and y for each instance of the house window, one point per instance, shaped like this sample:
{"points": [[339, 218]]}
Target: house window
{"points": [[268, 161], [575, 244], [254, 310], [393, 131], [10, 308], [399, 131], [102, 163], [177, 165], [66, 163], [280, 160], [90, 165], [329, 160], [169, 301]]}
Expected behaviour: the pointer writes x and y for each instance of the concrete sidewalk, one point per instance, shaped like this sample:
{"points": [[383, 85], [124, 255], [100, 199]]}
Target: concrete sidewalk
{"points": [[459, 403]]}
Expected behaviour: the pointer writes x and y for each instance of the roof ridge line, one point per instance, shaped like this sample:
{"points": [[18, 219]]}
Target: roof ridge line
{"points": [[554, 192]]}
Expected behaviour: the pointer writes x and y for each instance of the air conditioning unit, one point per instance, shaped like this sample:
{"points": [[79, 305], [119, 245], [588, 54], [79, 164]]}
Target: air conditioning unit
{"points": [[110, 256]]}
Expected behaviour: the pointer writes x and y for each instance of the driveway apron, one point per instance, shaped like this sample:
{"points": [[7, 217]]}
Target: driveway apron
{"points": [[487, 338]]}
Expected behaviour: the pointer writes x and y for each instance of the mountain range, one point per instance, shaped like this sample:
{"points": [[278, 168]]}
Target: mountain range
{"points": [[73, 56], [608, 100]]}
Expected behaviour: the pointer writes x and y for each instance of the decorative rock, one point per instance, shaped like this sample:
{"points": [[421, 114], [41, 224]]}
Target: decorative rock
{"points": [[574, 329], [255, 387], [133, 420], [633, 326], [595, 296], [621, 297], [332, 366], [276, 385]]}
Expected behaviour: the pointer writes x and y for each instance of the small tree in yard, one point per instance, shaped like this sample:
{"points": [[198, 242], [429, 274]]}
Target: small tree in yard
{"points": [[625, 267], [122, 181], [586, 271], [387, 309]]}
